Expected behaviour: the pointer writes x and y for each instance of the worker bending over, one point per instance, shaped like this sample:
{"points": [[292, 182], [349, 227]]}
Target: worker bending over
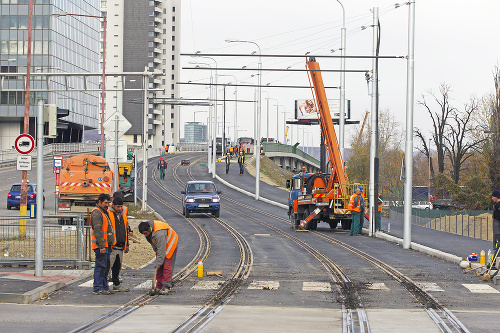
{"points": [[163, 239]]}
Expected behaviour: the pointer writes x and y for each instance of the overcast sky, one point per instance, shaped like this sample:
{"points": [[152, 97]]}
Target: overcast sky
{"points": [[456, 43]]}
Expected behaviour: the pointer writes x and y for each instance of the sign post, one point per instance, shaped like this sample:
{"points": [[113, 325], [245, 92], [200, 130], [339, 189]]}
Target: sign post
{"points": [[56, 169]]}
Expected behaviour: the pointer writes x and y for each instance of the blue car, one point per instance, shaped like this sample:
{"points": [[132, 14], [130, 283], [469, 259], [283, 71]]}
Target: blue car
{"points": [[14, 196], [201, 197]]}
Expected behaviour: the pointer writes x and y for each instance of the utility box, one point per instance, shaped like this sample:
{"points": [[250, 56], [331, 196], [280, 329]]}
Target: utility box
{"points": [[50, 117]]}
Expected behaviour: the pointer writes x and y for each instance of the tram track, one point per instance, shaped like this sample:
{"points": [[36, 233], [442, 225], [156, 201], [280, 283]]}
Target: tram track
{"points": [[444, 319]]}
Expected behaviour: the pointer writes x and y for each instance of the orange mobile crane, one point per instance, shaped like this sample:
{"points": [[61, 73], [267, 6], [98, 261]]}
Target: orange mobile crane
{"points": [[321, 196]]}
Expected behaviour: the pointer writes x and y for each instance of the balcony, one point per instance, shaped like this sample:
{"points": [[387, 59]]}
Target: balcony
{"points": [[158, 20]]}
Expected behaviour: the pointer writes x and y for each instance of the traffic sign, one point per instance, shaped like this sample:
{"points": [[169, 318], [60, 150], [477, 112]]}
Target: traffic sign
{"points": [[24, 163], [122, 151], [24, 144], [116, 125], [58, 161]]}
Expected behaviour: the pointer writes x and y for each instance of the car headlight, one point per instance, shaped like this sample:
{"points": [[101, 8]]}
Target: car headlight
{"points": [[189, 200], [215, 200]]}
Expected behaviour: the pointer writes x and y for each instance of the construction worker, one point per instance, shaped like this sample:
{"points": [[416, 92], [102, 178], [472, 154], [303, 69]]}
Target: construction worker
{"points": [[379, 212], [228, 162], [163, 239], [120, 232], [162, 166], [231, 150], [495, 197], [102, 236], [241, 162], [356, 206]]}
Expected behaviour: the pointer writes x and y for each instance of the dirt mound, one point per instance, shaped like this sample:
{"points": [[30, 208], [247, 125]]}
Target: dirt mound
{"points": [[270, 172]]}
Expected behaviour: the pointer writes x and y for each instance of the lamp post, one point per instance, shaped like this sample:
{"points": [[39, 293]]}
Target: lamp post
{"points": [[342, 84], [277, 120], [274, 99], [103, 85], [429, 150], [259, 109], [235, 105]]}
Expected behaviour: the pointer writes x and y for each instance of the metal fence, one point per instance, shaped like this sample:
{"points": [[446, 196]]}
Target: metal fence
{"points": [[65, 240], [476, 223]]}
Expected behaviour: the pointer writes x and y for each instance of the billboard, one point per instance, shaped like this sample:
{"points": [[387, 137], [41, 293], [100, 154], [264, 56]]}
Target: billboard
{"points": [[305, 109]]}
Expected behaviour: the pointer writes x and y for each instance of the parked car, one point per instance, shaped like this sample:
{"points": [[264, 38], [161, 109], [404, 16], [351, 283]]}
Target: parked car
{"points": [[185, 162], [422, 205], [14, 196], [201, 197], [447, 204]]}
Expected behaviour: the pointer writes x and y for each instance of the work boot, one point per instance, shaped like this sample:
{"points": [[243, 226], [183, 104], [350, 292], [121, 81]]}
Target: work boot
{"points": [[120, 288], [107, 292], [163, 291]]}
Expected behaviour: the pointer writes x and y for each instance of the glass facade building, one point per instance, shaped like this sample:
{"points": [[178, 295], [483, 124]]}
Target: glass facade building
{"points": [[195, 132], [59, 44]]}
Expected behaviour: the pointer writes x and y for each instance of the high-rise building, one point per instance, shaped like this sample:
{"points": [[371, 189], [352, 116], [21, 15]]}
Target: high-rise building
{"points": [[59, 44], [140, 34], [195, 132]]}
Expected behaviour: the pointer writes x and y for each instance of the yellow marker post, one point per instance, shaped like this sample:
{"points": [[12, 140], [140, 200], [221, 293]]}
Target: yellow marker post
{"points": [[200, 268], [23, 211]]}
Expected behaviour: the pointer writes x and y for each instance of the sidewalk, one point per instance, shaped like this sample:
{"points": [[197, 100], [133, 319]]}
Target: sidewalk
{"points": [[23, 287]]}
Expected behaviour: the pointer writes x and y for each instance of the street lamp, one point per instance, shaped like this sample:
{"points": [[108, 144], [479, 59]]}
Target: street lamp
{"points": [[277, 120], [61, 13], [214, 122], [235, 104], [259, 109], [342, 84]]}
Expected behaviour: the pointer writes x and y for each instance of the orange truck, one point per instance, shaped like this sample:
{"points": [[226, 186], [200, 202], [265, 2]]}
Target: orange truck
{"points": [[83, 178], [321, 197]]}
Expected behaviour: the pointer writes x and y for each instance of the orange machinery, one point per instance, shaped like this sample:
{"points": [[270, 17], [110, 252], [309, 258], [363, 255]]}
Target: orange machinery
{"points": [[83, 178], [322, 197]]}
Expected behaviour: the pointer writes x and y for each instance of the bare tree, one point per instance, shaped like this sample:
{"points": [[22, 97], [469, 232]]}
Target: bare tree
{"points": [[425, 149], [494, 164], [460, 143], [439, 121]]}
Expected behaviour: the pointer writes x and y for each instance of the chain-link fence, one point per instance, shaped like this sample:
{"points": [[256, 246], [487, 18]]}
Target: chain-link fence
{"points": [[65, 240], [476, 223]]}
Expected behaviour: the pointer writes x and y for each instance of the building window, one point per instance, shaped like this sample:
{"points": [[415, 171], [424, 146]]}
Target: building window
{"points": [[135, 138], [172, 114], [173, 28], [151, 24], [151, 44], [173, 77], [173, 9], [173, 67], [171, 125], [173, 47], [151, 13], [173, 18], [173, 38], [173, 86]]}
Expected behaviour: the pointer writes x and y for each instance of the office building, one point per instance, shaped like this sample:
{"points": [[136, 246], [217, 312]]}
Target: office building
{"points": [[195, 132], [140, 34], [59, 44]]}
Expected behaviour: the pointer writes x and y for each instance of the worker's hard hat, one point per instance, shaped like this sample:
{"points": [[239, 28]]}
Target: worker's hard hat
{"points": [[360, 188], [161, 158]]}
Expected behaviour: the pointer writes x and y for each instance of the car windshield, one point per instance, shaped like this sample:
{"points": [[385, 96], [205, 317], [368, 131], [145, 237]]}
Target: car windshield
{"points": [[201, 188], [17, 188]]}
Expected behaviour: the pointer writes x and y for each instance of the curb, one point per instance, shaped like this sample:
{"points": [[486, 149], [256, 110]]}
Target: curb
{"points": [[32, 295]]}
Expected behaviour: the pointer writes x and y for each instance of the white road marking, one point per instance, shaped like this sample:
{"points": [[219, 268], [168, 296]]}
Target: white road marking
{"points": [[316, 286], [481, 288], [264, 285], [207, 285], [429, 286], [145, 285], [377, 286], [89, 283]]}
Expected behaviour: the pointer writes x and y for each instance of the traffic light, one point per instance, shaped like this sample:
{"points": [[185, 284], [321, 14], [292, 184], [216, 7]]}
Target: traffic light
{"points": [[50, 117]]}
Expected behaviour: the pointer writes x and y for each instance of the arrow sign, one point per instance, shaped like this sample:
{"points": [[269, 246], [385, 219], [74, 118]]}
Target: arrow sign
{"points": [[110, 125], [24, 144]]}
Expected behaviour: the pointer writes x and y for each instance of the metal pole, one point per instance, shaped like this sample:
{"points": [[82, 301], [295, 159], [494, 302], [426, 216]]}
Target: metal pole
{"points": [[257, 139], [409, 126], [39, 196], [267, 125], [117, 186], [235, 112], [145, 143], [103, 93], [135, 177], [342, 84], [24, 174], [214, 130], [209, 127], [224, 124], [373, 129], [429, 151]]}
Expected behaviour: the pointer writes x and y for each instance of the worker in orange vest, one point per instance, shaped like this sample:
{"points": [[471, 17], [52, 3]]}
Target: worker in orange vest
{"points": [[379, 211], [102, 236], [162, 166], [118, 218], [356, 206], [163, 239]]}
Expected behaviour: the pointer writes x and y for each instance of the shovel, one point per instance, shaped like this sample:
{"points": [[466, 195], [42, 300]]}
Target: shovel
{"points": [[487, 277], [153, 284]]}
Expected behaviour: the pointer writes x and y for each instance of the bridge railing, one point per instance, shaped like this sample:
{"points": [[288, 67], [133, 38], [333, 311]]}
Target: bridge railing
{"points": [[274, 147]]}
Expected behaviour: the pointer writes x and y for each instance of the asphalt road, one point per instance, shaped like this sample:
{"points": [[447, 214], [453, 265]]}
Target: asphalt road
{"points": [[288, 290]]}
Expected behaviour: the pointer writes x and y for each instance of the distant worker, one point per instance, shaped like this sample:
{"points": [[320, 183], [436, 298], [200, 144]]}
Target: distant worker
{"points": [[241, 162], [379, 212], [495, 196], [231, 150], [162, 166], [166, 149], [227, 159], [242, 148], [101, 234], [356, 206], [119, 221], [164, 240]]}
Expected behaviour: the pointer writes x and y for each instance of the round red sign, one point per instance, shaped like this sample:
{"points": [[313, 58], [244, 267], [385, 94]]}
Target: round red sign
{"points": [[24, 144]]}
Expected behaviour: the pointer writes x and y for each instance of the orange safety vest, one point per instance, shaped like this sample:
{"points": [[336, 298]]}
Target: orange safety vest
{"points": [[104, 231], [112, 218], [380, 205], [172, 237], [160, 163], [351, 203]]}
